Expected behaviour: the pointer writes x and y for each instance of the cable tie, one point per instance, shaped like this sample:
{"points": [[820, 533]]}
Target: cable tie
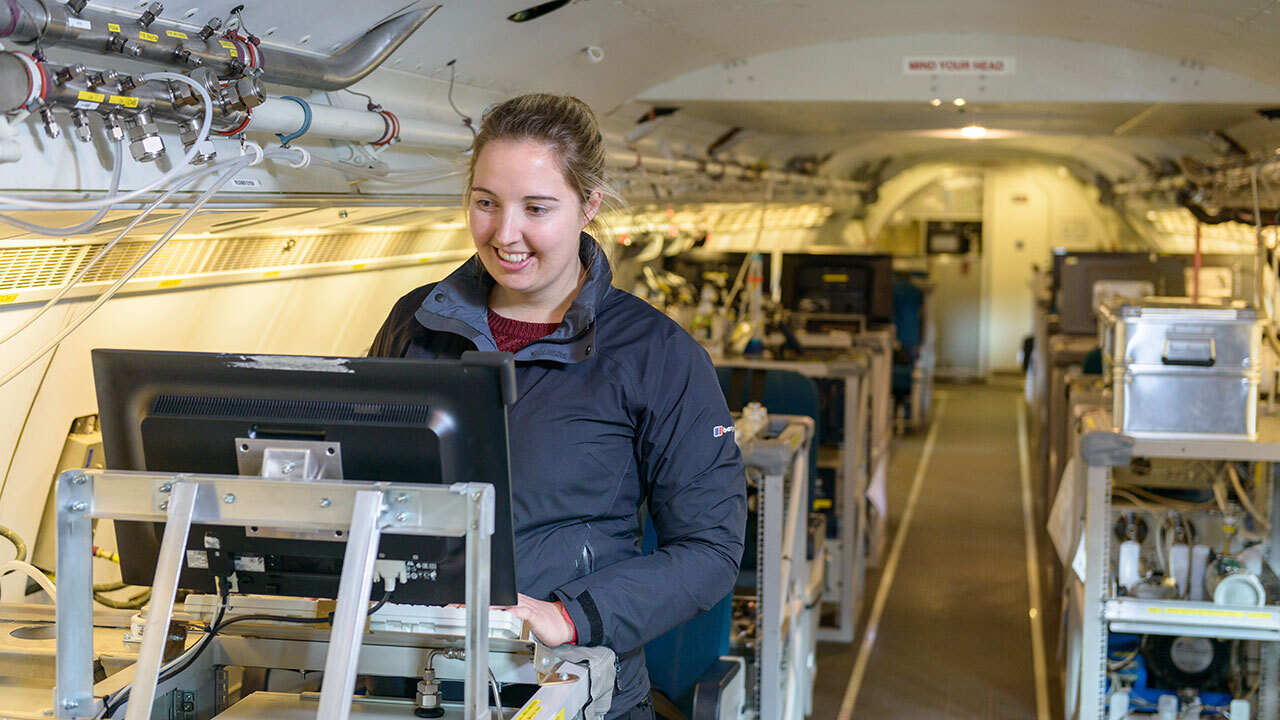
{"points": [[306, 121], [303, 161]]}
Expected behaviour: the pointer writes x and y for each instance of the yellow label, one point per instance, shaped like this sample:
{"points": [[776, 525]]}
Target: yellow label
{"points": [[271, 273], [1193, 612], [425, 258], [823, 504], [112, 27], [530, 711], [227, 44], [358, 266], [234, 54], [91, 96], [8, 298], [149, 37], [176, 34], [170, 283], [559, 716], [1259, 616], [129, 102], [835, 278]]}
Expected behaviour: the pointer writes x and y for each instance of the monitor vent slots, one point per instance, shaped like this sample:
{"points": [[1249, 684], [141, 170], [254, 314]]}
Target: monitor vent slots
{"points": [[382, 413]]}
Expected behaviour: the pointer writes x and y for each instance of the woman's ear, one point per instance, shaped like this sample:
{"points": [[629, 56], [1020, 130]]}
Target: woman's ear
{"points": [[591, 207]]}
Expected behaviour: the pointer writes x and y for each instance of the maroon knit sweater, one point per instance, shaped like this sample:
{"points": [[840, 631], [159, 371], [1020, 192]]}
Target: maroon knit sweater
{"points": [[512, 335]]}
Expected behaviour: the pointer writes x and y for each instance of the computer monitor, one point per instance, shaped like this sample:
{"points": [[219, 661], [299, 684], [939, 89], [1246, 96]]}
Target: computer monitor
{"points": [[847, 284], [702, 267], [1077, 275], [391, 420]]}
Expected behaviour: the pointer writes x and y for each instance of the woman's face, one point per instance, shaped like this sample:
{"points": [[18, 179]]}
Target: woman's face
{"points": [[525, 220]]}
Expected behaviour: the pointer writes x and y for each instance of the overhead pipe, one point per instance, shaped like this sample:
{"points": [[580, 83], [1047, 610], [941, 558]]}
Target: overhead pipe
{"points": [[147, 38]]}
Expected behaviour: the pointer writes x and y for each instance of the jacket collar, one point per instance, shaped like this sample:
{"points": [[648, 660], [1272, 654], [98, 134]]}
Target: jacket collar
{"points": [[459, 305]]}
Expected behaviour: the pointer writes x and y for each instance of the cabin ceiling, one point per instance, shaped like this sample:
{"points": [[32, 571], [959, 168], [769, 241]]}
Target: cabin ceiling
{"points": [[649, 43]]}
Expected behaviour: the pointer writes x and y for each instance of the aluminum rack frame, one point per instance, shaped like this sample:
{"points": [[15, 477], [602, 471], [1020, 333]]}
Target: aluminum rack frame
{"points": [[361, 510]]}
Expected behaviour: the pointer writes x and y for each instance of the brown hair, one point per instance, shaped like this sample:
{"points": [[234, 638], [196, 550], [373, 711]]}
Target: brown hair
{"points": [[566, 125]]}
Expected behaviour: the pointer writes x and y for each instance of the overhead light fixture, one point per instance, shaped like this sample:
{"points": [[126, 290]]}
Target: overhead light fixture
{"points": [[935, 102], [973, 132], [958, 102]]}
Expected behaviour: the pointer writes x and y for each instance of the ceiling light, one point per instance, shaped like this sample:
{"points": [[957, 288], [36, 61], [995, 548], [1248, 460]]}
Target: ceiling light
{"points": [[935, 102], [973, 132], [959, 102]]}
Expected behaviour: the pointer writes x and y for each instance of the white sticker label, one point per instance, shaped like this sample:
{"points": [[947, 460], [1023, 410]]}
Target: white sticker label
{"points": [[951, 65], [246, 182], [251, 563], [86, 105], [80, 23], [198, 559]]}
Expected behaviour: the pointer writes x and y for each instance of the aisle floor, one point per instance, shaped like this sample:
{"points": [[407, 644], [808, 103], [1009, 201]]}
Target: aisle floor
{"points": [[954, 638]]}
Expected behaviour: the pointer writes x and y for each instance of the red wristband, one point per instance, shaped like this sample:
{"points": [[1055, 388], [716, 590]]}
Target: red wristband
{"points": [[569, 620]]}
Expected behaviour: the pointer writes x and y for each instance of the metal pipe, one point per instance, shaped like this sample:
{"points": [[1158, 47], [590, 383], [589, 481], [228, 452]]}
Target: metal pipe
{"points": [[179, 46], [278, 115]]}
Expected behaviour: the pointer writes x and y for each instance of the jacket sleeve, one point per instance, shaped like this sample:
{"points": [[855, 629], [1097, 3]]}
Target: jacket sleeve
{"points": [[694, 478]]}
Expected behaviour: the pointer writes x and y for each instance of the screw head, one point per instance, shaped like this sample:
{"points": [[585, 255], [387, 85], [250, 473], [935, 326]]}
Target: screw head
{"points": [[78, 506], [70, 704], [164, 505], [166, 487], [79, 479], [325, 502], [229, 498], [402, 498], [401, 517]]}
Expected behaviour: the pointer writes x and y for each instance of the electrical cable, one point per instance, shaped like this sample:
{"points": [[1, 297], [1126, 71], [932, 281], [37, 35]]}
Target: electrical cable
{"points": [[493, 685], [466, 119], [108, 201], [116, 171], [1258, 517], [19, 545]]}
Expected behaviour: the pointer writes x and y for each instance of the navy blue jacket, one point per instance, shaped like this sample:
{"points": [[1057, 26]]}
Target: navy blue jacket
{"points": [[618, 408]]}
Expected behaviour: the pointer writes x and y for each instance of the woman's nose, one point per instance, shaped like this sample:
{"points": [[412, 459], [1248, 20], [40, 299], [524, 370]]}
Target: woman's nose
{"points": [[508, 230]]}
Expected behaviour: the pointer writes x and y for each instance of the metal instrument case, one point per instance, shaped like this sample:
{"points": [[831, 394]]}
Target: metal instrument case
{"points": [[1184, 369]]}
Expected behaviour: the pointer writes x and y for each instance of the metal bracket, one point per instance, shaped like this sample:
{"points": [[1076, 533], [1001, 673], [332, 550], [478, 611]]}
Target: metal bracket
{"points": [[1106, 449]]}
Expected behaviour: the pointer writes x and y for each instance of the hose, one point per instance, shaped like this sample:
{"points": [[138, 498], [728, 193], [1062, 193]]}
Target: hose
{"points": [[109, 200], [19, 545], [62, 292], [32, 572], [222, 180], [133, 603], [116, 170], [1258, 517]]}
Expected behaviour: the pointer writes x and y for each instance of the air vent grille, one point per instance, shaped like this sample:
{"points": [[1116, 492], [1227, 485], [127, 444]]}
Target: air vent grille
{"points": [[44, 266]]}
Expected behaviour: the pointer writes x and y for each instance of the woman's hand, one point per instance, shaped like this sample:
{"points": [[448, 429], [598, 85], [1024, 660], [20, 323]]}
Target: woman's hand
{"points": [[546, 619]]}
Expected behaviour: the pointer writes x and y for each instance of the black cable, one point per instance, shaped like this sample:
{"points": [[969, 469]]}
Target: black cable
{"points": [[466, 119], [218, 625]]}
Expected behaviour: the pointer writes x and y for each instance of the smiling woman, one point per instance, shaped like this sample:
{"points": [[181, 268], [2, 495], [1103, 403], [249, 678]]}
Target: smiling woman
{"points": [[618, 407]]}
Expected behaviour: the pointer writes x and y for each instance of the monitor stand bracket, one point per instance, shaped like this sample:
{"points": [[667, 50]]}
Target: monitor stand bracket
{"points": [[460, 510]]}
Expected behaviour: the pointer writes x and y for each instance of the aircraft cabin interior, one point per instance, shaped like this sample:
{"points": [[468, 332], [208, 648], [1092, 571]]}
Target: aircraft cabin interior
{"points": [[639, 360]]}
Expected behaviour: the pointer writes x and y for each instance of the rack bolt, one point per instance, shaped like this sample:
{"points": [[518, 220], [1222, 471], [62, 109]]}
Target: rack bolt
{"points": [[78, 506], [79, 479], [229, 498], [166, 487], [402, 498], [401, 517], [164, 505], [70, 704], [325, 502]]}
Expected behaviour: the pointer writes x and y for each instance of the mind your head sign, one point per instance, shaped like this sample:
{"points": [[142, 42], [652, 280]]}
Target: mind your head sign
{"points": [[936, 65]]}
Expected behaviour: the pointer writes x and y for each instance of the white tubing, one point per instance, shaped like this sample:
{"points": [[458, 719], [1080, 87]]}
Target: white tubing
{"points": [[113, 199], [105, 249], [107, 294], [32, 572], [285, 116], [87, 225]]}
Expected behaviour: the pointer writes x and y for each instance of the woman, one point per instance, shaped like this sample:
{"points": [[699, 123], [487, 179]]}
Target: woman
{"points": [[618, 407]]}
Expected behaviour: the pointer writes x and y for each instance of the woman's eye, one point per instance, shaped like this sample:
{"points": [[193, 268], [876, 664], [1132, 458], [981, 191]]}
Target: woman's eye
{"points": [[484, 203], [538, 210]]}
